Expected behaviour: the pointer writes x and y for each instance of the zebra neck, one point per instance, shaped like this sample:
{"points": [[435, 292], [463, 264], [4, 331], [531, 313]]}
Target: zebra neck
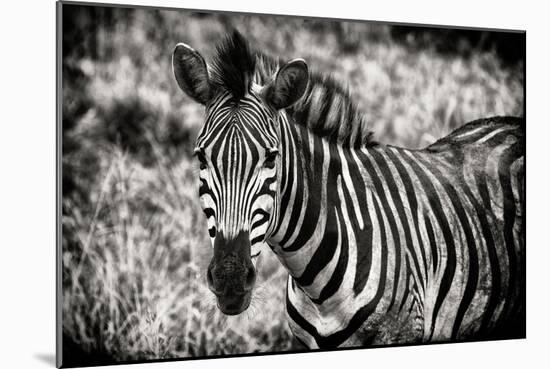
{"points": [[335, 217], [317, 206]]}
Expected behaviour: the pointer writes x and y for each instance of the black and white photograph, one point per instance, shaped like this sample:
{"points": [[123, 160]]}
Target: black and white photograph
{"points": [[209, 184], [237, 184]]}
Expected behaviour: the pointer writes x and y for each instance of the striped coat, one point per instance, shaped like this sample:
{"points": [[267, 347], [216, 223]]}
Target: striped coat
{"points": [[405, 245], [382, 244]]}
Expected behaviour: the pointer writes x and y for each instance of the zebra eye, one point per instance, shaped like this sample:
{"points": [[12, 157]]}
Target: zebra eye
{"points": [[202, 159], [270, 157]]}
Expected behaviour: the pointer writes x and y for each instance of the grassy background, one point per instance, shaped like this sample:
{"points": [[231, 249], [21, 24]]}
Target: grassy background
{"points": [[135, 244]]}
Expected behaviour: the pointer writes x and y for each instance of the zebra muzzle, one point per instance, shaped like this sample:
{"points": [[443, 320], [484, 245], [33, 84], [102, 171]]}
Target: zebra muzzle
{"points": [[231, 274]]}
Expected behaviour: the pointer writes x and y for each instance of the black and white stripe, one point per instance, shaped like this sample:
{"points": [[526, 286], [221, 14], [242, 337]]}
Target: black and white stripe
{"points": [[237, 175], [382, 244], [432, 239]]}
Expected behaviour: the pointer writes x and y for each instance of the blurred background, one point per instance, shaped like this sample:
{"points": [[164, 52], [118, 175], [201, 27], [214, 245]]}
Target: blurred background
{"points": [[134, 241]]}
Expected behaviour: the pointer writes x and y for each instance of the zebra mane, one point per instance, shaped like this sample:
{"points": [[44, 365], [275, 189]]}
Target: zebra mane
{"points": [[326, 107], [328, 110], [233, 65]]}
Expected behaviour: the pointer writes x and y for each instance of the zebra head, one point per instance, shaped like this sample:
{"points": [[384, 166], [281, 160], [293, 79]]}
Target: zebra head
{"points": [[238, 151]]}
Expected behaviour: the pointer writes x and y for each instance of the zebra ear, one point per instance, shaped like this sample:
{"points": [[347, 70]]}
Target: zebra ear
{"points": [[191, 73], [289, 85]]}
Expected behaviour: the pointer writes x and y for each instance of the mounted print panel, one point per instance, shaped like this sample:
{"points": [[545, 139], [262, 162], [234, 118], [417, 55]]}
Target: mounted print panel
{"points": [[236, 184]]}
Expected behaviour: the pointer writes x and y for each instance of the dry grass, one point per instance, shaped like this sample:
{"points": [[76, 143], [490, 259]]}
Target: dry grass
{"points": [[135, 244]]}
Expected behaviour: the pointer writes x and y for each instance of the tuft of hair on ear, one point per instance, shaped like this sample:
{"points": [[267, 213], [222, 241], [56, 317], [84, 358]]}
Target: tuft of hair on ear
{"points": [[233, 65]]}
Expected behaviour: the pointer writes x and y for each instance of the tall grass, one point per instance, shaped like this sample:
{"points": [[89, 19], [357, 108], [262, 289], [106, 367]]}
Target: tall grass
{"points": [[135, 244]]}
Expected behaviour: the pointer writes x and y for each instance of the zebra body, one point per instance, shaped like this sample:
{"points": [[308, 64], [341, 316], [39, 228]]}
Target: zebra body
{"points": [[382, 244], [402, 245]]}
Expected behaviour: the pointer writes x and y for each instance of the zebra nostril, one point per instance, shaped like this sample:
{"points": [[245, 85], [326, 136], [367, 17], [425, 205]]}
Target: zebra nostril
{"points": [[250, 278]]}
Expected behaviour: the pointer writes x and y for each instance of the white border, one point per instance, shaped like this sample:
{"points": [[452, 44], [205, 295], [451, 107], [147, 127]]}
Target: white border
{"points": [[27, 186]]}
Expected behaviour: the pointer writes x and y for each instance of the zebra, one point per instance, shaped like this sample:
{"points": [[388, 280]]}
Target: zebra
{"points": [[382, 244]]}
